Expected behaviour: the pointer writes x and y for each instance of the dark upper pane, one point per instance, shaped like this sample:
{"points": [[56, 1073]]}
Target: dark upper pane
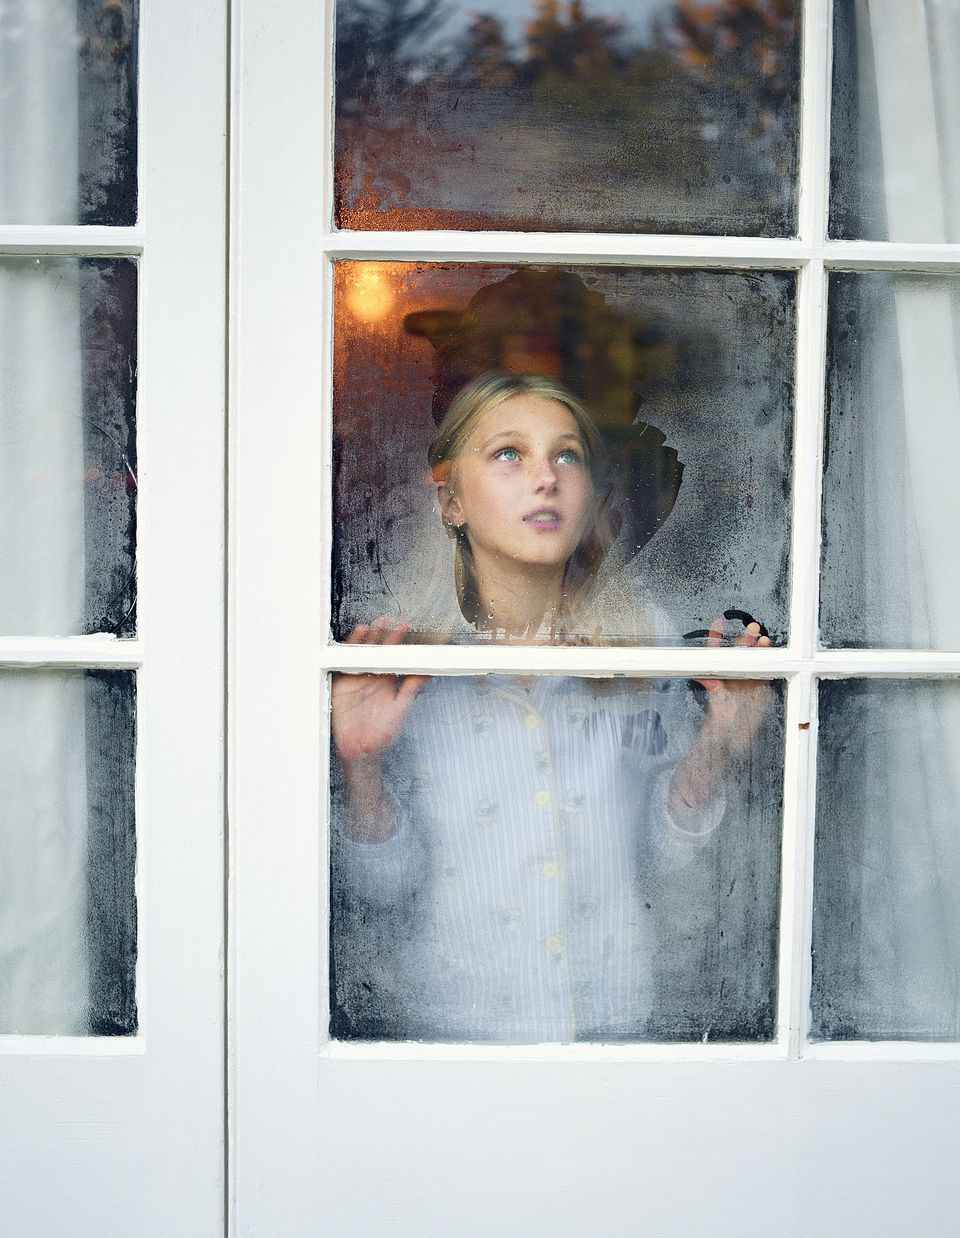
{"points": [[605, 115], [895, 122], [687, 374], [68, 485], [68, 112]]}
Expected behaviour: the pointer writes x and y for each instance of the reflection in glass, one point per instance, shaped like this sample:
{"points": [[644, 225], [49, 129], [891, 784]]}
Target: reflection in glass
{"points": [[67, 445], [67, 853], [891, 505], [68, 112], [689, 377], [593, 115], [526, 875], [886, 918], [895, 120]]}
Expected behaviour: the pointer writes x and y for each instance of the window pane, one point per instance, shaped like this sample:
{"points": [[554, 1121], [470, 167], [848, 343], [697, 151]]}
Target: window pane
{"points": [[891, 505], [67, 445], [599, 116], [519, 870], [895, 150], [67, 853], [68, 112], [886, 921], [689, 376]]}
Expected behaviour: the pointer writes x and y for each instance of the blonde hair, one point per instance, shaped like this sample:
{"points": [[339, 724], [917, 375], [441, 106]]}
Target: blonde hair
{"points": [[472, 403]]}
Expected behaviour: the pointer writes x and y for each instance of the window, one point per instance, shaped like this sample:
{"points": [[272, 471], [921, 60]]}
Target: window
{"points": [[395, 1099]]}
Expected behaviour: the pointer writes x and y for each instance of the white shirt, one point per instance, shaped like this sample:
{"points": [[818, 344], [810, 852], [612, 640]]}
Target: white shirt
{"points": [[508, 905]]}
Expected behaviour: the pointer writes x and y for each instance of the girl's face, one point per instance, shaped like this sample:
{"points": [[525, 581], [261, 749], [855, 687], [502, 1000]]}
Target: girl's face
{"points": [[520, 485]]}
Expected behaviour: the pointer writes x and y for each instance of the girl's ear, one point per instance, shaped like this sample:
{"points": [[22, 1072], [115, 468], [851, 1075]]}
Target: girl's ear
{"points": [[450, 507]]}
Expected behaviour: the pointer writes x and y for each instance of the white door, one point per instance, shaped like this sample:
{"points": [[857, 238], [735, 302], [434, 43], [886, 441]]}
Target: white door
{"points": [[112, 225], [840, 1116]]}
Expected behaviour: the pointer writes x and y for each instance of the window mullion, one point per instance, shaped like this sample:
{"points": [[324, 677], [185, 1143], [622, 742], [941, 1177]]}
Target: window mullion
{"points": [[814, 122]]}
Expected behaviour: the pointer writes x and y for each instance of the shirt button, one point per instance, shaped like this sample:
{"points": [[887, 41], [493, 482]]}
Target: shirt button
{"points": [[554, 943], [550, 869], [531, 722], [542, 799]]}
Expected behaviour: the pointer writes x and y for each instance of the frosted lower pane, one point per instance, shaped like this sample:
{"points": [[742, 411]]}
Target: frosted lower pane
{"points": [[891, 504], [603, 115], [895, 121], [68, 112], [68, 330], [688, 374], [67, 853], [886, 918], [514, 873]]}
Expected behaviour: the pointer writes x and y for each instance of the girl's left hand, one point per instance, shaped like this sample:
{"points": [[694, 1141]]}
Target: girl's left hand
{"points": [[735, 707]]}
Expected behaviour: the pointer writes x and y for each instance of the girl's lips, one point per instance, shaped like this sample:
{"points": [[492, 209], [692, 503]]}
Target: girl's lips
{"points": [[546, 518]]}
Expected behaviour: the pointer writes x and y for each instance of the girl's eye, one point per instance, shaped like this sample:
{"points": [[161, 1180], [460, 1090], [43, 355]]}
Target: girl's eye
{"points": [[508, 454], [568, 457]]}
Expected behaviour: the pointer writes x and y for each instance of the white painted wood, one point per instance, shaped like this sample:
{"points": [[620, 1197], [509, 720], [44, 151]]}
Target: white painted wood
{"points": [[70, 651], [107, 1137], [748, 663], [547, 1141], [276, 607], [69, 239]]}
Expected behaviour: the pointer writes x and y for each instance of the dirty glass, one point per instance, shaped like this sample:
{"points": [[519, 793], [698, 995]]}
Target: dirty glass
{"points": [[67, 853], [593, 115], [513, 867], [67, 445], [891, 505], [687, 373], [68, 112], [895, 121], [886, 912]]}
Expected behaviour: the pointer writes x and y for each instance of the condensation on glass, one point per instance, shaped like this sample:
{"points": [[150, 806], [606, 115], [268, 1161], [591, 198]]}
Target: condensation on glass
{"points": [[891, 504], [592, 115], [68, 932], [895, 121], [68, 112], [530, 884], [67, 445], [886, 912], [689, 375]]}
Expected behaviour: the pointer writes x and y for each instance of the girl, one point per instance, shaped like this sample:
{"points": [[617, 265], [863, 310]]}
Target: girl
{"points": [[493, 836]]}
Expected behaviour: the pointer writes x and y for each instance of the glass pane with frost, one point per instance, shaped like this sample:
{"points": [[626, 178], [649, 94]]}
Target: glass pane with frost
{"points": [[68, 330], [554, 859], [891, 505], [68, 112], [68, 932], [687, 376], [886, 912], [895, 121], [594, 115]]}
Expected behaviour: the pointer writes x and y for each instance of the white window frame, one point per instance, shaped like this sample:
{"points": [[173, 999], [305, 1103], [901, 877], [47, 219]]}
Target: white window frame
{"points": [[280, 589]]}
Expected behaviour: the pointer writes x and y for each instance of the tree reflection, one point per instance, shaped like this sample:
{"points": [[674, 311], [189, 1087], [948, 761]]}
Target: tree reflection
{"points": [[582, 120]]}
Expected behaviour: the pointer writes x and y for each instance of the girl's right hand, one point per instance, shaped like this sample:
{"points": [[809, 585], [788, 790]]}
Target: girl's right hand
{"points": [[367, 712]]}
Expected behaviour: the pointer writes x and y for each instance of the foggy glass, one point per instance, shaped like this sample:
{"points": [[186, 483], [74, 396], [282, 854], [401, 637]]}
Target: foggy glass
{"points": [[67, 445], [67, 853], [592, 115], [891, 505], [535, 887], [886, 911], [895, 121], [689, 375], [68, 112]]}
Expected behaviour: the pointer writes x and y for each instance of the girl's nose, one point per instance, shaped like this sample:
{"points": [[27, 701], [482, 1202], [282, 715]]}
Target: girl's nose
{"points": [[546, 475]]}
